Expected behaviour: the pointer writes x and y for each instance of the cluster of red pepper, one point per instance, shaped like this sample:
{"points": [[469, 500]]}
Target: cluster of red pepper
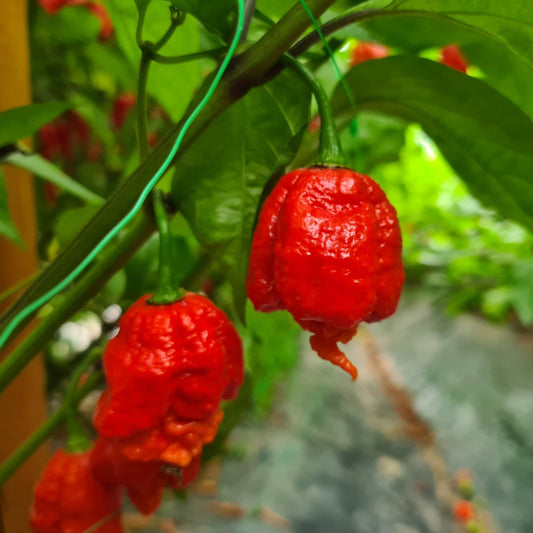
{"points": [[168, 369]]}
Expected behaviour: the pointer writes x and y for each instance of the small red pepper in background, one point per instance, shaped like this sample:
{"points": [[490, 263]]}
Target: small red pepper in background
{"points": [[185, 357], [327, 247], [452, 56], [463, 511], [98, 10], [364, 51], [64, 137], [121, 109], [69, 498], [106, 25]]}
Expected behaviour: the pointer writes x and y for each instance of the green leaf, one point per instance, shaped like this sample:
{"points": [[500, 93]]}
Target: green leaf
{"points": [[510, 23], [46, 170], [7, 226], [20, 122], [70, 222], [171, 85], [218, 17], [274, 9], [484, 137], [219, 182]]}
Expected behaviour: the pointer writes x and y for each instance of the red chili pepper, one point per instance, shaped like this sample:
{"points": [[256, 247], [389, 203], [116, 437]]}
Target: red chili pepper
{"points": [[185, 357], [172, 441], [452, 56], [69, 499], [64, 137], [364, 51], [327, 248], [121, 109], [463, 511], [106, 24]]}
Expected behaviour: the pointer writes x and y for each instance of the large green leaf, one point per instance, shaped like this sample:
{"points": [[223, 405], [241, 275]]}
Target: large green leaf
{"points": [[510, 23], [502, 68], [49, 172], [171, 85], [7, 226], [219, 182], [218, 16], [20, 122], [486, 138]]}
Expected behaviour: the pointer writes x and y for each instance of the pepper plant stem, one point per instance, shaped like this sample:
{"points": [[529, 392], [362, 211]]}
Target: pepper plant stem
{"points": [[77, 440], [330, 152], [23, 452], [167, 288], [112, 260], [142, 128]]}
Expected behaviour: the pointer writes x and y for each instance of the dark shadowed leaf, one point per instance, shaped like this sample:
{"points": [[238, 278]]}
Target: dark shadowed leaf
{"points": [[15, 124]]}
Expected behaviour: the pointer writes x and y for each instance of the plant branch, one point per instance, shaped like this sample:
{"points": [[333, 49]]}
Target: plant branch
{"points": [[140, 24], [248, 16], [111, 260], [23, 452], [331, 27], [177, 18], [173, 60], [142, 128]]}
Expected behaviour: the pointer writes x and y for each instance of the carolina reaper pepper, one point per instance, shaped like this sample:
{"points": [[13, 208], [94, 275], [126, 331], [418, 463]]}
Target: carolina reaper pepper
{"points": [[69, 498], [327, 248], [184, 357]]}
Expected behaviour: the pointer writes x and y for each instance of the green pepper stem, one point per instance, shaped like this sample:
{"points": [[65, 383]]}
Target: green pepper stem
{"points": [[77, 440], [168, 290], [330, 151], [23, 452]]}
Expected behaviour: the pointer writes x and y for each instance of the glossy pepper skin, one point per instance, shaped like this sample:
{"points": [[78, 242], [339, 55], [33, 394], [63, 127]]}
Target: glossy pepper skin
{"points": [[172, 441], [177, 360], [327, 247], [69, 499]]}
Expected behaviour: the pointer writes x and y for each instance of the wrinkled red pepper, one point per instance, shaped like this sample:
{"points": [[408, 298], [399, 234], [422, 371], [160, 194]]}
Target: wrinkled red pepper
{"points": [[172, 441], [185, 356], [69, 499], [327, 248], [121, 109], [143, 480]]}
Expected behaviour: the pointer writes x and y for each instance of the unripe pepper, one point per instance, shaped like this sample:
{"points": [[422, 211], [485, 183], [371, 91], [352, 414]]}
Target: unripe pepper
{"points": [[178, 360], [69, 498], [327, 247]]}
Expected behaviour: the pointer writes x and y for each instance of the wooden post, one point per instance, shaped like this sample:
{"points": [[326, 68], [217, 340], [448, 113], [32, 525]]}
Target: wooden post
{"points": [[22, 405]]}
